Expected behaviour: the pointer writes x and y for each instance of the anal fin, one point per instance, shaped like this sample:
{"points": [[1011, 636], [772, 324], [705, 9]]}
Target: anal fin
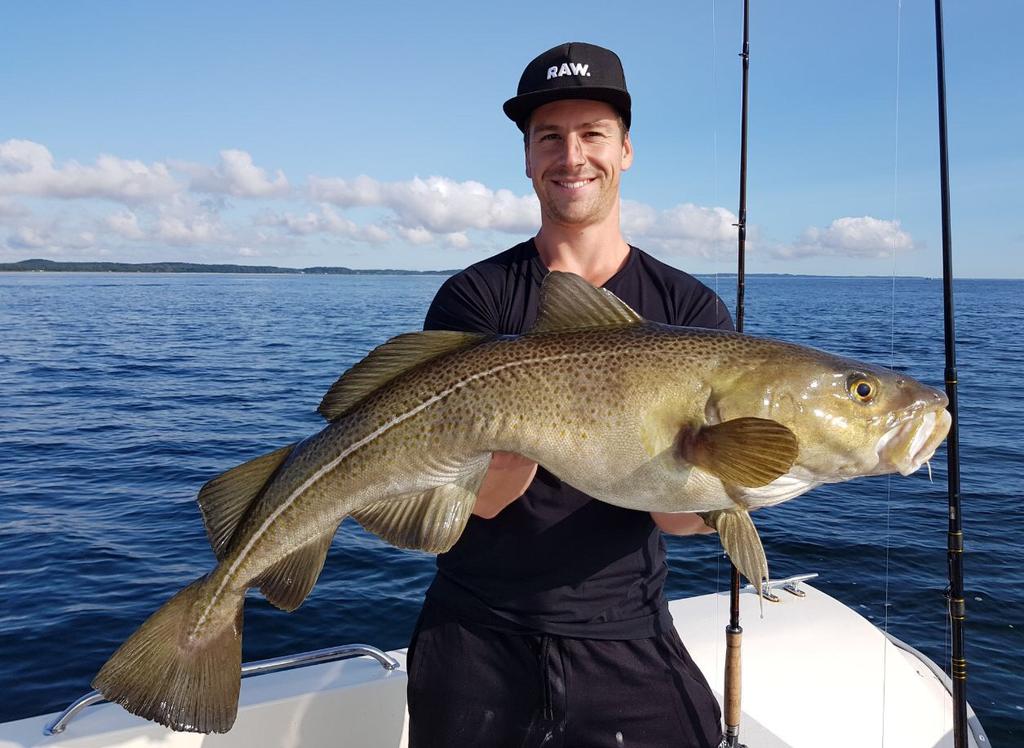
{"points": [[287, 583], [740, 539]]}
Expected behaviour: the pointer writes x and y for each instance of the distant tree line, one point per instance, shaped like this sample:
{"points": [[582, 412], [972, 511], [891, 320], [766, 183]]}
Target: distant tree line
{"points": [[193, 267]]}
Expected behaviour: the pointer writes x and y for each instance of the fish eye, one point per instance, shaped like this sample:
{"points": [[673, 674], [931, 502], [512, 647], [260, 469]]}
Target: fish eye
{"points": [[861, 389]]}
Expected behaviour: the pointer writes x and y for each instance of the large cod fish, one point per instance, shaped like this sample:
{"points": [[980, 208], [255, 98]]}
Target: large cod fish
{"points": [[638, 414]]}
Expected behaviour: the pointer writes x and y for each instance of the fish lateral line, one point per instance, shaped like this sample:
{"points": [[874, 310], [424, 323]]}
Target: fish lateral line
{"points": [[242, 556]]}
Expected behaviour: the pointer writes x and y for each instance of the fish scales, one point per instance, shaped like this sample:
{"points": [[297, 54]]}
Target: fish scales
{"points": [[638, 414], [561, 384]]}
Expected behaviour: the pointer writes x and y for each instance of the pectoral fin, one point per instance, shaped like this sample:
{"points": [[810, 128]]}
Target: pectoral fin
{"points": [[740, 539], [749, 452]]}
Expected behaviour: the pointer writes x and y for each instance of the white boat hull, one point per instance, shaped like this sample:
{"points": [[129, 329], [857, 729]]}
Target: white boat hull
{"points": [[814, 673]]}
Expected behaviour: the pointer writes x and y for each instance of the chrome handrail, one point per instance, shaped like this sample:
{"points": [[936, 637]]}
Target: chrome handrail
{"points": [[789, 584], [259, 667]]}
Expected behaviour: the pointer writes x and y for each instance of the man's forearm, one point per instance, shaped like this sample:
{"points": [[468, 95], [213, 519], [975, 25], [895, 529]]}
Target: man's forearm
{"points": [[681, 524], [508, 477]]}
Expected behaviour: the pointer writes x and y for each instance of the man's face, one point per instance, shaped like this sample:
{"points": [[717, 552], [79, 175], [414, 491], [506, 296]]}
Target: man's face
{"points": [[576, 151]]}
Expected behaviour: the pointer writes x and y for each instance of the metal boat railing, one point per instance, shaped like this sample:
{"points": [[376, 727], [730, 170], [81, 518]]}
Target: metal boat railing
{"points": [[789, 584], [329, 654]]}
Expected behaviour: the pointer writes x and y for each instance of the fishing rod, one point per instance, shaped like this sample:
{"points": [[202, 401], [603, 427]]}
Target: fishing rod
{"points": [[734, 632], [955, 543]]}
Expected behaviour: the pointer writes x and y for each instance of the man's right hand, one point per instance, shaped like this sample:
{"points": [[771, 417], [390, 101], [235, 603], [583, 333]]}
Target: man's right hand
{"points": [[507, 478]]}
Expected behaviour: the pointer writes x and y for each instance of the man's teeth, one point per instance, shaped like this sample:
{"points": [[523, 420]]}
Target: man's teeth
{"points": [[574, 185]]}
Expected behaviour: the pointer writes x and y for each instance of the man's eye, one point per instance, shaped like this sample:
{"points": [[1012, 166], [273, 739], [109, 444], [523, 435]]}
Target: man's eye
{"points": [[549, 136]]}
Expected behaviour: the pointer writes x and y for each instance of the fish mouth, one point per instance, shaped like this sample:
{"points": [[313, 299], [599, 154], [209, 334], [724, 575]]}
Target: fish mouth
{"points": [[909, 445]]}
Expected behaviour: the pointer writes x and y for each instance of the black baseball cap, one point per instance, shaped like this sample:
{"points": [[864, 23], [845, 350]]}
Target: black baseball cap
{"points": [[574, 70]]}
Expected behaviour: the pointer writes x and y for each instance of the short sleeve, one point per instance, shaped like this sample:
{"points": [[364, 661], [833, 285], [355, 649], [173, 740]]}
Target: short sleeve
{"points": [[464, 303], [708, 310]]}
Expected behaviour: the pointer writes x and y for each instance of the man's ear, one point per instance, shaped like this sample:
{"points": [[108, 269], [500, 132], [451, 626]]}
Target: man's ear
{"points": [[526, 156], [627, 152]]}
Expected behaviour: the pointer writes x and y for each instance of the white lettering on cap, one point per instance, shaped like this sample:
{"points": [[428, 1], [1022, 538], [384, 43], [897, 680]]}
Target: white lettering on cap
{"points": [[569, 68]]}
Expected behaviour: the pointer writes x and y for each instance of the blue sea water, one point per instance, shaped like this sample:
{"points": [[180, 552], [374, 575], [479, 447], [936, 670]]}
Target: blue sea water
{"points": [[120, 395]]}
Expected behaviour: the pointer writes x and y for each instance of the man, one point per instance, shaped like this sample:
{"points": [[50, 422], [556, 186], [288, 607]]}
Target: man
{"points": [[546, 624]]}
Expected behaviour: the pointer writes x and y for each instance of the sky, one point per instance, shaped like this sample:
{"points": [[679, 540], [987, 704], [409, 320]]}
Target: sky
{"points": [[370, 135]]}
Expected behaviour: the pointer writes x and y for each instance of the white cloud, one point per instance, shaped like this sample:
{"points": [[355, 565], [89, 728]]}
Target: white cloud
{"points": [[457, 240], [27, 237], [24, 157], [50, 237], [863, 237], [442, 210], [375, 234], [418, 235], [191, 204], [191, 230], [308, 223], [186, 221], [685, 229], [437, 204], [125, 224], [237, 175], [11, 209], [28, 168], [327, 221]]}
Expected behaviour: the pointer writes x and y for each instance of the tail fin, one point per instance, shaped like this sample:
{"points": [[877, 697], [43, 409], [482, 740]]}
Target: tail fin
{"points": [[163, 675]]}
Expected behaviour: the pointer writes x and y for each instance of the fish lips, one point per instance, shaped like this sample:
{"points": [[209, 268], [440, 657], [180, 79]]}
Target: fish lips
{"points": [[909, 445]]}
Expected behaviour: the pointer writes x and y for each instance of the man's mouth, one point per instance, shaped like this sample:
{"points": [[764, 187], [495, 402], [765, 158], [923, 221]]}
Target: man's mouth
{"points": [[573, 184]]}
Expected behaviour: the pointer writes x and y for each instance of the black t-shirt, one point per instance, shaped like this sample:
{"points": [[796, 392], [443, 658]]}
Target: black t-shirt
{"points": [[556, 561]]}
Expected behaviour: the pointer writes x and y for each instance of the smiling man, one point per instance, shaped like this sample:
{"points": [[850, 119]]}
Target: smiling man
{"points": [[546, 624]]}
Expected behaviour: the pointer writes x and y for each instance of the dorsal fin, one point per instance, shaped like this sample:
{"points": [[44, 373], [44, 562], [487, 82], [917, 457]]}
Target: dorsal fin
{"points": [[224, 500], [568, 302], [387, 361]]}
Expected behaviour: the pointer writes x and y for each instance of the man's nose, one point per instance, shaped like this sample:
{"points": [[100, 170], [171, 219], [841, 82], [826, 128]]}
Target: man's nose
{"points": [[572, 151]]}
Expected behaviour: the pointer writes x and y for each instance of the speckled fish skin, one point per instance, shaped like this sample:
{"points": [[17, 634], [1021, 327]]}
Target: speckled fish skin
{"points": [[623, 410], [601, 409]]}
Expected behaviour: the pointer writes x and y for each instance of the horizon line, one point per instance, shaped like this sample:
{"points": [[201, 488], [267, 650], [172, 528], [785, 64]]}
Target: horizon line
{"points": [[10, 267]]}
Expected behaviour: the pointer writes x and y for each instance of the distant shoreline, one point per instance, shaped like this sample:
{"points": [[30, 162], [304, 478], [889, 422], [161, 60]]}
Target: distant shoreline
{"points": [[50, 266]]}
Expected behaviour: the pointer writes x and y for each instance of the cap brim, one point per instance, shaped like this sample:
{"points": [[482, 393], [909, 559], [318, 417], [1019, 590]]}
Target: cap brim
{"points": [[518, 109]]}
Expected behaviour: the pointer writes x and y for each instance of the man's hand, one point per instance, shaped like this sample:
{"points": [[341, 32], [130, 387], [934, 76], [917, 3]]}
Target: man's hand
{"points": [[508, 477], [685, 523]]}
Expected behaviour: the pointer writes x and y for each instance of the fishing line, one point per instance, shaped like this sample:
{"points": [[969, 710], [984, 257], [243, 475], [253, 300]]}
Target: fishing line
{"points": [[718, 252], [714, 147], [892, 354]]}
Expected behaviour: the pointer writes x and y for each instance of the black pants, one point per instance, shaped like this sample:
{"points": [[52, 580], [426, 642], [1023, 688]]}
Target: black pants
{"points": [[473, 686]]}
